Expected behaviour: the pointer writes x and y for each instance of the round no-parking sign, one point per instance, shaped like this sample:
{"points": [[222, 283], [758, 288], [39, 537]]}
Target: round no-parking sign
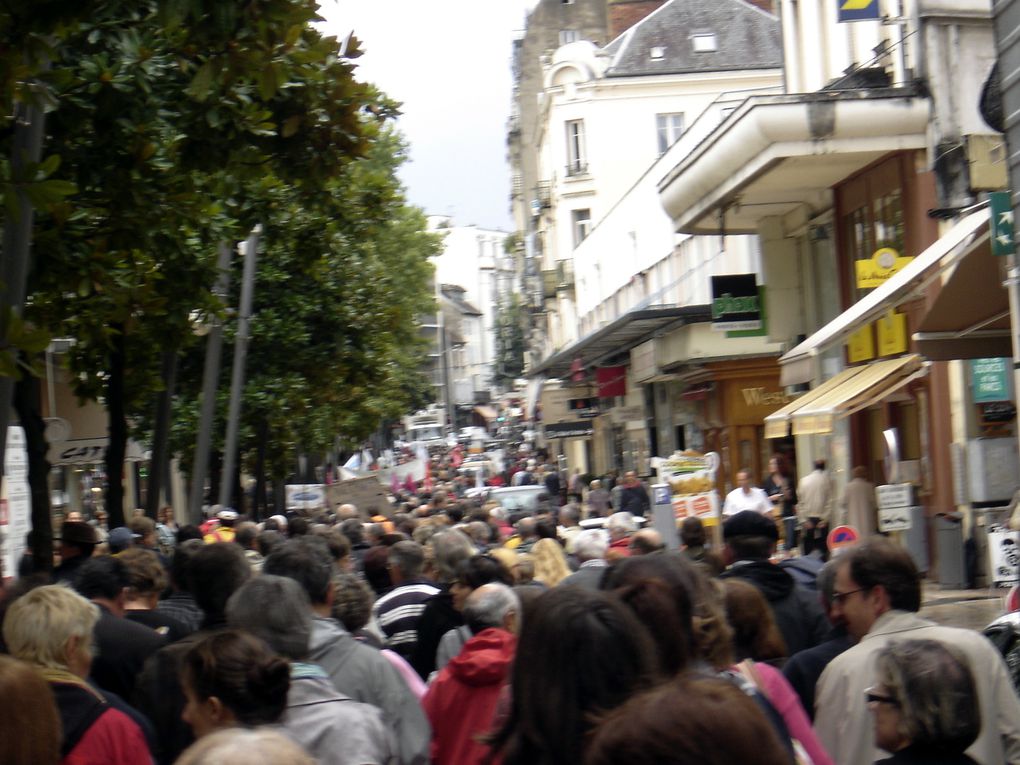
{"points": [[842, 536]]}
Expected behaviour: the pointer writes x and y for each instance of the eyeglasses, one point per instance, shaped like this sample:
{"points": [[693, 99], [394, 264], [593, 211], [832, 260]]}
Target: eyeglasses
{"points": [[840, 597], [879, 698]]}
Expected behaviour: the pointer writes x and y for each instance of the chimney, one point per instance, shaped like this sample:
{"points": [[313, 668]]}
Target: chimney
{"points": [[623, 14]]}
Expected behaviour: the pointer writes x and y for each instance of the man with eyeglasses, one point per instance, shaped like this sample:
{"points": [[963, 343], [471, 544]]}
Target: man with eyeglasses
{"points": [[877, 595]]}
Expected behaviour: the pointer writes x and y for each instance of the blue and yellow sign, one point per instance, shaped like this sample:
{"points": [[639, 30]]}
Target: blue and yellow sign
{"points": [[858, 10]]}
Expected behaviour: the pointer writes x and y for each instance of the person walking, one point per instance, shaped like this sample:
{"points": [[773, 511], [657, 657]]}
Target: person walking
{"points": [[814, 509]]}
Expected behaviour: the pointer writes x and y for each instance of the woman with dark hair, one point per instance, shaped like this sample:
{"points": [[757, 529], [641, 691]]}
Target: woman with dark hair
{"points": [[925, 704], [692, 721], [691, 631], [757, 646], [657, 588], [231, 678], [580, 653], [471, 574]]}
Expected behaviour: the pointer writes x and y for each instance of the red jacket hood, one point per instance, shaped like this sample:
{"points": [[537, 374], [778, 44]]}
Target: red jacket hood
{"points": [[485, 659]]}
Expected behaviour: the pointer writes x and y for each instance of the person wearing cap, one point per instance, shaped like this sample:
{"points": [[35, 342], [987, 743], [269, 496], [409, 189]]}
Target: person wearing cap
{"points": [[78, 541], [225, 531], [120, 539], [750, 540]]}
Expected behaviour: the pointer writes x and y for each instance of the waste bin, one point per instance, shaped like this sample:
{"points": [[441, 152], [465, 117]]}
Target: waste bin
{"points": [[915, 538], [949, 543]]}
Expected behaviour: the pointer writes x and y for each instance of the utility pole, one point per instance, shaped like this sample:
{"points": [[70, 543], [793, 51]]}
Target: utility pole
{"points": [[210, 381], [237, 375]]}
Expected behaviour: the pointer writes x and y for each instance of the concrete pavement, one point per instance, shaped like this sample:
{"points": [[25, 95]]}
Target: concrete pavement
{"points": [[973, 609]]}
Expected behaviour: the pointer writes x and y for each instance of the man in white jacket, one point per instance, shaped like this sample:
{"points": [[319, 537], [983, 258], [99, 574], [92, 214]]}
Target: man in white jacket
{"points": [[877, 595]]}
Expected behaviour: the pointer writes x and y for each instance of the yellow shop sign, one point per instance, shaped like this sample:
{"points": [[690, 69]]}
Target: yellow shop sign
{"points": [[874, 271]]}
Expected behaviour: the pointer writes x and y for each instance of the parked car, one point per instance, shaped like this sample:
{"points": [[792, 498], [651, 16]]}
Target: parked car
{"points": [[511, 498]]}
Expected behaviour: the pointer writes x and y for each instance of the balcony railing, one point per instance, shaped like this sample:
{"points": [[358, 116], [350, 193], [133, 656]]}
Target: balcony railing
{"points": [[576, 167], [565, 274]]}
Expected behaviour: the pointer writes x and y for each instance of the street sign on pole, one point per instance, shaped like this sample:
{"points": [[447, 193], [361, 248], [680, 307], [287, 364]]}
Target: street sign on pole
{"points": [[1000, 208]]}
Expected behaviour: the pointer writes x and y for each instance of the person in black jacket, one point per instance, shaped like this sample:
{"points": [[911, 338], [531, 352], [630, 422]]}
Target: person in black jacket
{"points": [[750, 539], [449, 549]]}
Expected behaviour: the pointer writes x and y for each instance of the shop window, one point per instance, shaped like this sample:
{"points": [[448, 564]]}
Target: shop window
{"points": [[871, 208]]}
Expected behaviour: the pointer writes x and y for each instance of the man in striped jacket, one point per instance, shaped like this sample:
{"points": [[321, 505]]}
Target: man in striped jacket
{"points": [[399, 610]]}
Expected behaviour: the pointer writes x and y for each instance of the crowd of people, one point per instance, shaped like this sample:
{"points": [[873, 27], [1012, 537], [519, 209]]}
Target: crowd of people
{"points": [[446, 630]]}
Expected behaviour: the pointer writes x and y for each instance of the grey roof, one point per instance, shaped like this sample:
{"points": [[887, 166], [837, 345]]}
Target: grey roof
{"points": [[455, 294], [746, 38]]}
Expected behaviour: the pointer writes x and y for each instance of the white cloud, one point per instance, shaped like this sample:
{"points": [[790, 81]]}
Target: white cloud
{"points": [[448, 61]]}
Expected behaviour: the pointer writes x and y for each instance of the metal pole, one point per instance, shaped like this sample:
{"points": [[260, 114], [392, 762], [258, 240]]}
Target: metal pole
{"points": [[17, 243], [237, 377], [1012, 285], [210, 381]]}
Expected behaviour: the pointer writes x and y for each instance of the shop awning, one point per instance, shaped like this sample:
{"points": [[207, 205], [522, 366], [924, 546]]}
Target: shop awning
{"points": [[777, 424], [874, 382], [969, 319], [797, 365], [619, 336], [486, 412]]}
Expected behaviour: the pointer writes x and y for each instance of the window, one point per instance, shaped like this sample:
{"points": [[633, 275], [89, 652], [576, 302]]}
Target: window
{"points": [[569, 36], [576, 161], [704, 43], [669, 128], [656, 52], [581, 224]]}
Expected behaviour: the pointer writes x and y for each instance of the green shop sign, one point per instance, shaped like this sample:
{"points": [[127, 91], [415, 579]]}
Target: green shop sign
{"points": [[990, 380], [735, 304]]}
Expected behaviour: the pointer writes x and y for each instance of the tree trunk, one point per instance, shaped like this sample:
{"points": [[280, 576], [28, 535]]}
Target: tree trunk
{"points": [[158, 468], [117, 447], [28, 406]]}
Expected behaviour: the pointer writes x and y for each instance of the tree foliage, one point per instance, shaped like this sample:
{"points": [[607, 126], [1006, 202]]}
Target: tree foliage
{"points": [[176, 125], [510, 342]]}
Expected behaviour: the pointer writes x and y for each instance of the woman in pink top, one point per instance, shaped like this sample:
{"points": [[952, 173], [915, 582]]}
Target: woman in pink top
{"points": [[757, 641]]}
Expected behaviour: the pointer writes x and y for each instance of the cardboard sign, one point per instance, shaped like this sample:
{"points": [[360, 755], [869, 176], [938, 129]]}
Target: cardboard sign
{"points": [[1003, 556], [365, 493]]}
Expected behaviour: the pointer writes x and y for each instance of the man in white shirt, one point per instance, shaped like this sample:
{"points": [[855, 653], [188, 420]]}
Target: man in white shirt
{"points": [[746, 497]]}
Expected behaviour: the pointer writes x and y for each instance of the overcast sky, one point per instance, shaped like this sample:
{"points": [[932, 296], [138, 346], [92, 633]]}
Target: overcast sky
{"points": [[448, 61]]}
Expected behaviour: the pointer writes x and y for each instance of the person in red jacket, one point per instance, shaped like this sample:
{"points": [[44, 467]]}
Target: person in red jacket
{"points": [[51, 629], [462, 701], [621, 527]]}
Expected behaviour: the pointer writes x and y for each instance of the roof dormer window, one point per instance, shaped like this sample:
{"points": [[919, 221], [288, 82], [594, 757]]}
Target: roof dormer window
{"points": [[704, 43], [657, 52]]}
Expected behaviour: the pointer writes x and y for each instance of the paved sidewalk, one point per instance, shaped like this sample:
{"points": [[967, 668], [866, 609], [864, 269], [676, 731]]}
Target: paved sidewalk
{"points": [[962, 608]]}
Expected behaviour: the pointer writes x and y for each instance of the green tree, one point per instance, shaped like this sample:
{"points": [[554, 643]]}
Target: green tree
{"points": [[510, 342], [334, 344], [163, 112]]}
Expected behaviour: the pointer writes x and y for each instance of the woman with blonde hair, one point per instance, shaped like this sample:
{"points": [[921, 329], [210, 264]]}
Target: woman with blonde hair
{"points": [[51, 628], [550, 562]]}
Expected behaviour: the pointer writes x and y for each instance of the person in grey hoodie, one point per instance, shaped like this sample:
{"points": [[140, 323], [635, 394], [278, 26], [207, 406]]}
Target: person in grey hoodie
{"points": [[332, 727], [357, 670]]}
